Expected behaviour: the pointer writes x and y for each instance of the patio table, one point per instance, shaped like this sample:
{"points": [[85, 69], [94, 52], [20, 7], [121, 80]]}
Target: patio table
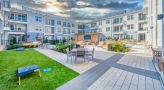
{"points": [[80, 52], [27, 70]]}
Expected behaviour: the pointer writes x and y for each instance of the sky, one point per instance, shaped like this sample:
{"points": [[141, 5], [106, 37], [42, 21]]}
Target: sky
{"points": [[80, 10]]}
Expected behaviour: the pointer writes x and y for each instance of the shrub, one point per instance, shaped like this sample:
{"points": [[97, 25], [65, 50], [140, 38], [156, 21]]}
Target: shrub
{"points": [[9, 47], [117, 46], [14, 46], [62, 47], [127, 49]]}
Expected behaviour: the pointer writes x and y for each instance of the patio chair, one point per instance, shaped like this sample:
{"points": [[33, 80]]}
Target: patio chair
{"points": [[87, 54], [71, 55]]}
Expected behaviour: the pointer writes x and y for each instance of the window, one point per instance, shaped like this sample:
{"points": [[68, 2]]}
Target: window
{"points": [[21, 27], [100, 22], [12, 16], [23, 18], [140, 26], [19, 18], [117, 28], [107, 21], [93, 24], [40, 19], [38, 28], [121, 27], [52, 30], [120, 20], [64, 24], [73, 25], [47, 29], [107, 29], [142, 16], [12, 26], [58, 30], [100, 30], [6, 4], [0, 6], [130, 17], [58, 22], [130, 26], [36, 18], [68, 25], [117, 20], [52, 22], [73, 31]]}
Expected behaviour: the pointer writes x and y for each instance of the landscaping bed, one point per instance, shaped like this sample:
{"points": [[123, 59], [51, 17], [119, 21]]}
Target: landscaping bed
{"points": [[11, 60]]}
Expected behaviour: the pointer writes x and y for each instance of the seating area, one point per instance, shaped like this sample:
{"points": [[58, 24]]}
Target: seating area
{"points": [[79, 52]]}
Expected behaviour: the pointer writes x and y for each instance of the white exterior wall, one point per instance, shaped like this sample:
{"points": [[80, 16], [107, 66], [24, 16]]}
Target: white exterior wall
{"points": [[159, 24], [163, 31], [154, 25], [32, 23]]}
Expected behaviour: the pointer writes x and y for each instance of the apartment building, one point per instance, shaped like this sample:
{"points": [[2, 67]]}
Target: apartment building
{"points": [[126, 25], [31, 25], [154, 11]]}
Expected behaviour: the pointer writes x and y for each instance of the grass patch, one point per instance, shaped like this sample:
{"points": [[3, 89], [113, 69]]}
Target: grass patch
{"points": [[11, 60]]}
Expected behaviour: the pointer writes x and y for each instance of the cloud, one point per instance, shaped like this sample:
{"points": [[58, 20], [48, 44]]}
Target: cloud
{"points": [[80, 9]]}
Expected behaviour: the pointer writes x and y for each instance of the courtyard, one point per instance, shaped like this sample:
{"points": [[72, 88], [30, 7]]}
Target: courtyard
{"points": [[108, 70]]}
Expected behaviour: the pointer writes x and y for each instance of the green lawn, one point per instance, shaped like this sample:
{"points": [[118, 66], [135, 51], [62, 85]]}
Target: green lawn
{"points": [[11, 60]]}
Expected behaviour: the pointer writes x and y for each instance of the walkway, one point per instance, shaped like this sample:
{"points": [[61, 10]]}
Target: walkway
{"points": [[113, 71], [140, 50]]}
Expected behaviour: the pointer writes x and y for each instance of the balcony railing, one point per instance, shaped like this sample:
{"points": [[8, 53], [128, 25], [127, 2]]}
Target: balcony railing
{"points": [[17, 30], [141, 29], [16, 19], [49, 32], [117, 31], [66, 32]]}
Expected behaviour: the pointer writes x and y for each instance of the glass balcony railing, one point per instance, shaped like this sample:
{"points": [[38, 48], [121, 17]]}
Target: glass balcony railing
{"points": [[17, 30], [117, 31], [66, 32]]}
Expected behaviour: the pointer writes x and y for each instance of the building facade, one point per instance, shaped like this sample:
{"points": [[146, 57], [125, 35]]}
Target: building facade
{"points": [[127, 25], [29, 25], [153, 9]]}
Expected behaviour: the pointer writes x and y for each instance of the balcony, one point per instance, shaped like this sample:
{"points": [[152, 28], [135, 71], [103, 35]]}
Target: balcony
{"points": [[48, 33], [6, 27], [6, 9], [17, 30], [66, 32], [117, 32]]}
